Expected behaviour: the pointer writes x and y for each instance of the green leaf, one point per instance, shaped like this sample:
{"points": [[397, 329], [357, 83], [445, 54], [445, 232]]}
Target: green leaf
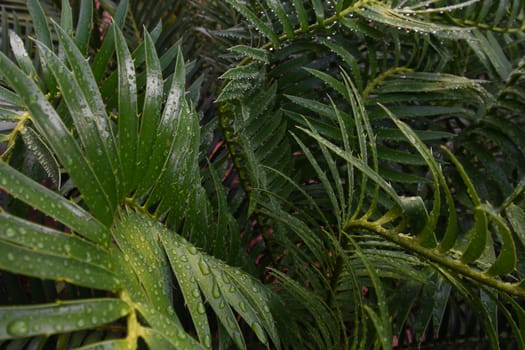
{"points": [[144, 257], [48, 241], [84, 25], [60, 317], [93, 139], [46, 265], [302, 16], [381, 321], [252, 52], [479, 233], [266, 30], [52, 204], [359, 164], [171, 334], [21, 55], [516, 217], [49, 123], [118, 344], [42, 152], [152, 104], [276, 7], [222, 287], [506, 261], [128, 119], [39, 22], [100, 63]]}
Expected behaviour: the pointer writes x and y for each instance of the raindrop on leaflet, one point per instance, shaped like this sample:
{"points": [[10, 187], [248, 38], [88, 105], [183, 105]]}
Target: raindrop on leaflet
{"points": [[10, 232], [215, 291], [203, 266], [18, 328], [201, 309], [242, 306], [207, 341]]}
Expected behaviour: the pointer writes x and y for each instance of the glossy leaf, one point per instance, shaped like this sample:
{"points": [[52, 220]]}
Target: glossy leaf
{"points": [[52, 204], [62, 316], [128, 117], [60, 139]]}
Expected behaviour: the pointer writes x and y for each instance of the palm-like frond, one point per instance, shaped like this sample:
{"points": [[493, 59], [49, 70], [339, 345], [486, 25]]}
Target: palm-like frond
{"points": [[138, 177]]}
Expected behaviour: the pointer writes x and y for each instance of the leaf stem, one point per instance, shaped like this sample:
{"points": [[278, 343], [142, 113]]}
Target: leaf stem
{"points": [[435, 256]]}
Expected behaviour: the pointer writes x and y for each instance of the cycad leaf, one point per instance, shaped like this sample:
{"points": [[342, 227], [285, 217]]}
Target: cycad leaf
{"points": [[117, 344], [39, 22], [302, 16], [52, 204], [63, 316], [46, 265], [21, 55], [145, 258], [165, 128], [479, 233], [152, 104], [42, 152], [128, 119], [382, 320], [61, 141], [103, 56], [359, 164], [277, 8], [264, 28], [171, 334], [93, 141], [222, 287], [84, 25], [506, 261], [252, 52], [516, 217], [46, 240], [383, 13]]}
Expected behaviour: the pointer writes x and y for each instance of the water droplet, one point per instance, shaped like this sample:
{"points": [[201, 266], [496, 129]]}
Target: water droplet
{"points": [[192, 250], [242, 306], [203, 266], [18, 328], [207, 341], [181, 334], [201, 309], [215, 291], [10, 256], [196, 293], [80, 323], [10, 232]]}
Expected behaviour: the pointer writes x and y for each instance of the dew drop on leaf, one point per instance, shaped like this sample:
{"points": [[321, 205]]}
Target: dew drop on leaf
{"points": [[215, 291], [203, 266], [242, 306], [201, 309], [18, 328]]}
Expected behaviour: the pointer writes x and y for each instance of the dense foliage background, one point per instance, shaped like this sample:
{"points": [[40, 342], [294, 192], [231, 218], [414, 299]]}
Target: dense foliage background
{"points": [[287, 174]]}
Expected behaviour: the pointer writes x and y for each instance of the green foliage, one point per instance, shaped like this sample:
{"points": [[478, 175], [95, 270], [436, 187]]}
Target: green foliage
{"points": [[314, 175]]}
